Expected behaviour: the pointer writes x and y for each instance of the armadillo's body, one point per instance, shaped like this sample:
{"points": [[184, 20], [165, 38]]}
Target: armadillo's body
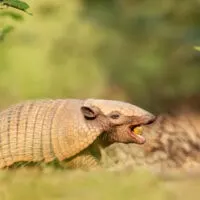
{"points": [[43, 130]]}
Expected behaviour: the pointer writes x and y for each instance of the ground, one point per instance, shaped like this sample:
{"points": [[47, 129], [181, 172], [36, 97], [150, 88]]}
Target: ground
{"points": [[54, 184]]}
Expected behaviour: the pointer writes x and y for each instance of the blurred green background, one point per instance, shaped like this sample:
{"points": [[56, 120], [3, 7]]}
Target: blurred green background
{"points": [[137, 51]]}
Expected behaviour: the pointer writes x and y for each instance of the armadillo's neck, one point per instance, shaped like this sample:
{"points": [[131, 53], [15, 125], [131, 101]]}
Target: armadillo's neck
{"points": [[103, 141]]}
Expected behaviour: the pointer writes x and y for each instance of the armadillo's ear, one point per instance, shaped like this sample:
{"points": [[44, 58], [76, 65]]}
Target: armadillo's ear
{"points": [[90, 112]]}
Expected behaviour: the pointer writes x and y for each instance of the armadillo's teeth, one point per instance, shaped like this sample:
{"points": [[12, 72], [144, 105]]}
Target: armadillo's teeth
{"points": [[137, 130]]}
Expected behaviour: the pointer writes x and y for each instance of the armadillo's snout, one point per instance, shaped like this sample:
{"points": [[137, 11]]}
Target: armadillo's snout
{"points": [[149, 119]]}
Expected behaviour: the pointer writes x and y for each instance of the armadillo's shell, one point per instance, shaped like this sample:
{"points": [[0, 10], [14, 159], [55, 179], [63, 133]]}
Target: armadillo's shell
{"points": [[43, 130]]}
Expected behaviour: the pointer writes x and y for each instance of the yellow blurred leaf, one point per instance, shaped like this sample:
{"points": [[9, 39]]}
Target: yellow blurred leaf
{"points": [[197, 48]]}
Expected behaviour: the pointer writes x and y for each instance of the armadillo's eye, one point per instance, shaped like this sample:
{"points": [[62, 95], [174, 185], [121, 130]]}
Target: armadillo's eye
{"points": [[114, 116]]}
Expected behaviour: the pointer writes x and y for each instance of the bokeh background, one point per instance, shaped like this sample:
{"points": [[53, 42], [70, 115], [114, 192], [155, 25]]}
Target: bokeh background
{"points": [[139, 51]]}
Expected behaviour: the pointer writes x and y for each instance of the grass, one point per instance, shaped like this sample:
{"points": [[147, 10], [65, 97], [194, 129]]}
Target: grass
{"points": [[57, 184], [52, 184]]}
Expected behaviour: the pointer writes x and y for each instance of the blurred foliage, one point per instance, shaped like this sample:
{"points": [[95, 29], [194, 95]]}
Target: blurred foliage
{"points": [[5, 30], [197, 48], [76, 185], [20, 5], [14, 16], [153, 57], [137, 51], [52, 55]]}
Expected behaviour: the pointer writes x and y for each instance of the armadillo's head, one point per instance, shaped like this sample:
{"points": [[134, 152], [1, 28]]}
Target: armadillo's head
{"points": [[122, 122]]}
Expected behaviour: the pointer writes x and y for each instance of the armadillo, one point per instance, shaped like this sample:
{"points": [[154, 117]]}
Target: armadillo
{"points": [[68, 130]]}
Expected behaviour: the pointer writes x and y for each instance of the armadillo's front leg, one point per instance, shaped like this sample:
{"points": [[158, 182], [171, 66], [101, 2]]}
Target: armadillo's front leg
{"points": [[87, 159], [83, 161]]}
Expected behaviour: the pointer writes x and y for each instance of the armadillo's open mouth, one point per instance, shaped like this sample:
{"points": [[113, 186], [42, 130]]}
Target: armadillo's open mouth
{"points": [[135, 132]]}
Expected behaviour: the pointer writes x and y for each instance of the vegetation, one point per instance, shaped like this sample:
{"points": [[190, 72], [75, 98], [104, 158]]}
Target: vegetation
{"points": [[20, 5], [54, 185], [143, 52]]}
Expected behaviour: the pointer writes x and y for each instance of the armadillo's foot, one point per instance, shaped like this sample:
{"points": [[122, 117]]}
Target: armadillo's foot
{"points": [[84, 161], [87, 160]]}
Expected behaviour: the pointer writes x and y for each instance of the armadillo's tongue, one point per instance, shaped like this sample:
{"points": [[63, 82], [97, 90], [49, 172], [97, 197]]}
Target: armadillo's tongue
{"points": [[140, 139]]}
